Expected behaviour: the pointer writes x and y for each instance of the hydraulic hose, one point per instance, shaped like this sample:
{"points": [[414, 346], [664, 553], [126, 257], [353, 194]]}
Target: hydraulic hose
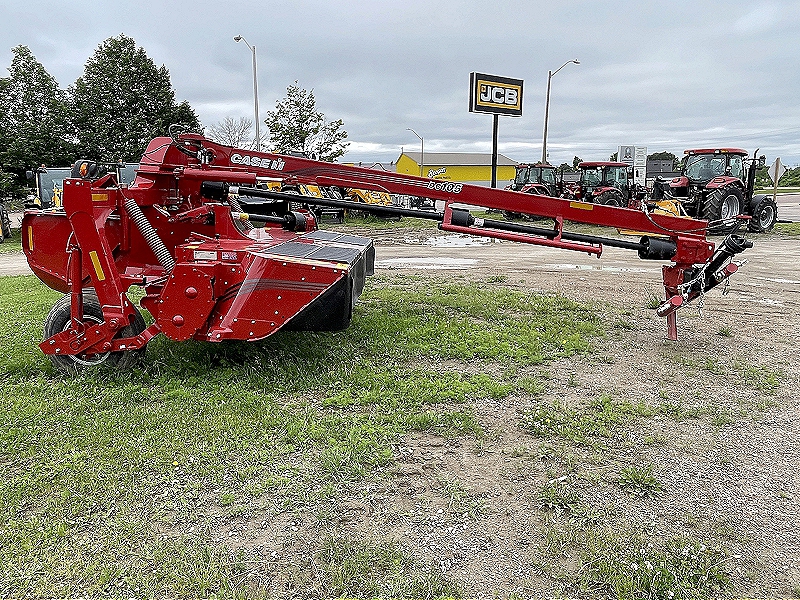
{"points": [[237, 207], [150, 235]]}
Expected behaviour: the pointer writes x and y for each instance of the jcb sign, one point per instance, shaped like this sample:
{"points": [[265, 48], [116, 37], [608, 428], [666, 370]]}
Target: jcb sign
{"points": [[495, 95]]}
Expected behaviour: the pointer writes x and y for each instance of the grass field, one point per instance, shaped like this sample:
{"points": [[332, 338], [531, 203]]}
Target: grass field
{"points": [[12, 244], [110, 478]]}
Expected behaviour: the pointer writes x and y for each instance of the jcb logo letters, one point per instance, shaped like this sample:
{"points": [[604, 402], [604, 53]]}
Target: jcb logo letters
{"points": [[499, 95], [495, 95]]}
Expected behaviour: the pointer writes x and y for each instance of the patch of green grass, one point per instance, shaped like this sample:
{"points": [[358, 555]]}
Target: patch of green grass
{"points": [[582, 425], [653, 300], [640, 481], [12, 244], [629, 569], [98, 464], [760, 377], [558, 496], [379, 223], [725, 331], [460, 500], [361, 569], [791, 229]]}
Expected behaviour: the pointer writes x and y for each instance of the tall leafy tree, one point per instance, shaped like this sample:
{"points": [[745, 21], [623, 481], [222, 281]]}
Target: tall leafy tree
{"points": [[296, 126], [122, 101], [34, 127]]}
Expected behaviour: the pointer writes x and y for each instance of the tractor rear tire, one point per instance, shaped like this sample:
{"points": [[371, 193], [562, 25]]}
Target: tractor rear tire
{"points": [[611, 198], [764, 215], [723, 205], [59, 320]]}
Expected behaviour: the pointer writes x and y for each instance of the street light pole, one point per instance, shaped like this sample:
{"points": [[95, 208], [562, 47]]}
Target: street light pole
{"points": [[422, 149], [547, 106], [240, 38]]}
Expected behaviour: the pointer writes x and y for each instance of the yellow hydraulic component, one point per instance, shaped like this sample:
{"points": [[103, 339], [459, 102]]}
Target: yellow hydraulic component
{"points": [[662, 207], [370, 197]]}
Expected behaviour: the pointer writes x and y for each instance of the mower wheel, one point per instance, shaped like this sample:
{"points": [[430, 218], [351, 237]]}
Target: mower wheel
{"points": [[723, 205], [764, 214], [59, 320], [611, 198]]}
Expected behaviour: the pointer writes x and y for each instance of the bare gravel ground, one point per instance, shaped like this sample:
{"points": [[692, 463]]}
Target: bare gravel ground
{"points": [[728, 464]]}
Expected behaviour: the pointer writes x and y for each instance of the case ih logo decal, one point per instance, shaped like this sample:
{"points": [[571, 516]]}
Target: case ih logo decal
{"points": [[256, 161], [495, 95]]}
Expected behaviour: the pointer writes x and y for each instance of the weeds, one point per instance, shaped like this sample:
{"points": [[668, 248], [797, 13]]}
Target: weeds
{"points": [[360, 569], [632, 570], [557, 496], [653, 300], [581, 425], [640, 481]]}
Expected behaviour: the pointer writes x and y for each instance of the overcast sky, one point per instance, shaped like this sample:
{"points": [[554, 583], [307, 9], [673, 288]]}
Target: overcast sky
{"points": [[669, 76]]}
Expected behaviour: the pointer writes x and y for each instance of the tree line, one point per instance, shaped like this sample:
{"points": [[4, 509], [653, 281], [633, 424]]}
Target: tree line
{"points": [[122, 101], [109, 113]]}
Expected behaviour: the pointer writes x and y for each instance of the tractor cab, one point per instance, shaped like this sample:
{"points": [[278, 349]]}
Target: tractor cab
{"points": [[701, 166], [604, 183], [538, 178], [717, 184]]}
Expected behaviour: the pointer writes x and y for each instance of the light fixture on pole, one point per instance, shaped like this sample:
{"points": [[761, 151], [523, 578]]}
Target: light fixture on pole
{"points": [[547, 106], [240, 38], [422, 149]]}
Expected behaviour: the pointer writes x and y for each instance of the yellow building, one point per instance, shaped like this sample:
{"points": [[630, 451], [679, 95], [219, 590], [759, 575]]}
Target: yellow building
{"points": [[466, 167]]}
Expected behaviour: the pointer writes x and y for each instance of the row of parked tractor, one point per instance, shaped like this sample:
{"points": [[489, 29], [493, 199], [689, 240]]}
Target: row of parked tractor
{"points": [[714, 184]]}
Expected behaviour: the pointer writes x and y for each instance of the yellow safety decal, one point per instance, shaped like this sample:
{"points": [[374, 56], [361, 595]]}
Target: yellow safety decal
{"points": [[581, 205], [30, 237], [99, 197], [97, 268]]}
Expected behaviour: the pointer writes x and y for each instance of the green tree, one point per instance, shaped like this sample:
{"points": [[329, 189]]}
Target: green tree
{"points": [[296, 126], [613, 157], [33, 116], [576, 161], [566, 167], [662, 156], [122, 101]]}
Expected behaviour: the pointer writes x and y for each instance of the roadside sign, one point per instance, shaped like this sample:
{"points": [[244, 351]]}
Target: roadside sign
{"points": [[636, 156], [495, 95], [776, 171]]}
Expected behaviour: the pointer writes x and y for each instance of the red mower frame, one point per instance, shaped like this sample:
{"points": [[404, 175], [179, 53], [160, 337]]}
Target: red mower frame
{"points": [[180, 233]]}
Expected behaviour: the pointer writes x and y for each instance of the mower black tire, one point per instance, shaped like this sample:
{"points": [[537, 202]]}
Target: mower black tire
{"points": [[764, 214], [60, 318], [723, 205], [611, 198]]}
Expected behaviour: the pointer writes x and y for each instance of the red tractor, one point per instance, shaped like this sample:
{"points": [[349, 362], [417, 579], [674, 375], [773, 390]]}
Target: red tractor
{"points": [[609, 183], [538, 178], [717, 185]]}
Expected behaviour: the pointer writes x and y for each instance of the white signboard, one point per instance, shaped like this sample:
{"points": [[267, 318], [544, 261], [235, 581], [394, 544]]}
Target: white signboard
{"points": [[776, 171], [635, 156]]}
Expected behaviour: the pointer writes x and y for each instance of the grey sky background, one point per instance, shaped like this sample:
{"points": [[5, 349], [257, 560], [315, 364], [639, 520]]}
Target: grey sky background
{"points": [[669, 76]]}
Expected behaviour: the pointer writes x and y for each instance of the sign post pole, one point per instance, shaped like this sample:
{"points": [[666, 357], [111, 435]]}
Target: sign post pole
{"points": [[494, 151], [496, 96]]}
